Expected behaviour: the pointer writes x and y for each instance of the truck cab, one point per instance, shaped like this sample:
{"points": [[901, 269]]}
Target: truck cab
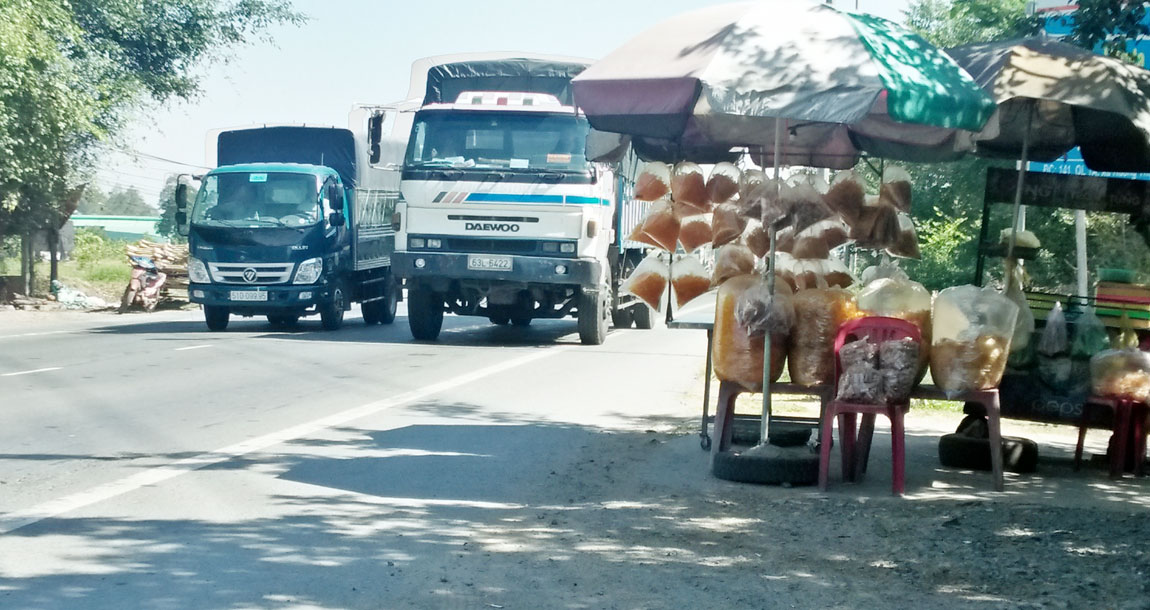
{"points": [[502, 216]]}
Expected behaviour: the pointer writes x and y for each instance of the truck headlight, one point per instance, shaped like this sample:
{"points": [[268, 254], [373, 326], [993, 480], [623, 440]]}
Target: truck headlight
{"points": [[198, 272], [417, 242], [434, 243], [567, 248], [308, 271]]}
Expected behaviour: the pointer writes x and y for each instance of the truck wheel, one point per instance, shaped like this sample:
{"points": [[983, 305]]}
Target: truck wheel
{"points": [[389, 304], [371, 312], [593, 317], [643, 317], [283, 320], [521, 322], [499, 321], [216, 317], [331, 314], [424, 313], [621, 318]]}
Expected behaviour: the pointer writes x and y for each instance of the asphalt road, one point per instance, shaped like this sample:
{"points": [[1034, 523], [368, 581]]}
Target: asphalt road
{"points": [[148, 463]]}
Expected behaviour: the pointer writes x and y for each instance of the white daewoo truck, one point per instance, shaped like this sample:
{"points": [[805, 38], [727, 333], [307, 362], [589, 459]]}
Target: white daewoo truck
{"points": [[500, 214]]}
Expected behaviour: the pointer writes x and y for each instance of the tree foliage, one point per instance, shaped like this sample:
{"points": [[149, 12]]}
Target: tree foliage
{"points": [[72, 70]]}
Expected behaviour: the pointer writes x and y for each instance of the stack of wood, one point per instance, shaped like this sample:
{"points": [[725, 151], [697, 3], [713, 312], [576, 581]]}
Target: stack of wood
{"points": [[172, 260]]}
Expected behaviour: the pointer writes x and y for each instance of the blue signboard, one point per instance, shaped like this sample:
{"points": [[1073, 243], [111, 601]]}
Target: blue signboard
{"points": [[1058, 25]]}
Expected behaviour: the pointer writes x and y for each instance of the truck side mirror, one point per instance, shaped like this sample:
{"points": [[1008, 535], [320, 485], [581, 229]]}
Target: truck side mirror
{"points": [[336, 219], [181, 197], [374, 136], [335, 195]]}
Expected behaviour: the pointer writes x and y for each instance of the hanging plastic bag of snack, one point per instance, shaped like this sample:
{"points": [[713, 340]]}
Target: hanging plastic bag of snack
{"points": [[903, 299], [775, 205], [649, 280], [689, 187], [886, 269], [785, 240], [726, 224], [906, 243], [654, 182], [689, 279], [661, 225], [846, 196], [810, 247], [1123, 373], [1090, 336], [832, 231], [695, 232], [1126, 337], [807, 207], [760, 312], [637, 235], [756, 237], [810, 273], [737, 356], [860, 384], [860, 351], [732, 260], [1055, 340], [818, 315], [836, 274], [896, 188], [723, 183], [751, 193], [971, 328], [785, 270]]}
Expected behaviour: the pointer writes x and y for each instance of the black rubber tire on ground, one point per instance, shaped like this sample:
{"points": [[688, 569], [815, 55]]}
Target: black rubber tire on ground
{"points": [[390, 303], [499, 320], [971, 453], [622, 318], [745, 431], [793, 466], [593, 318], [521, 322], [424, 313], [331, 313], [644, 318], [282, 320], [371, 312], [216, 317]]}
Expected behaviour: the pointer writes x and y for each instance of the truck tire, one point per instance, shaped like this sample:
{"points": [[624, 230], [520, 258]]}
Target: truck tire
{"points": [[424, 313], [644, 319], [331, 313], [216, 317], [521, 322], [622, 318], [390, 303], [593, 317], [499, 321], [371, 312]]}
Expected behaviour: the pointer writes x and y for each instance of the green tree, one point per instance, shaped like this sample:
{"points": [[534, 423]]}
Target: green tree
{"points": [[1110, 25], [949, 24], [71, 71]]}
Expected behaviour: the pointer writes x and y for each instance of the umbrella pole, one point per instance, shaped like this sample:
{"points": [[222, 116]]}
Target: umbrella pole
{"points": [[765, 423], [1018, 198]]}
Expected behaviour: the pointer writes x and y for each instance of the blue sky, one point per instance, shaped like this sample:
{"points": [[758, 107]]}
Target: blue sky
{"points": [[361, 51]]}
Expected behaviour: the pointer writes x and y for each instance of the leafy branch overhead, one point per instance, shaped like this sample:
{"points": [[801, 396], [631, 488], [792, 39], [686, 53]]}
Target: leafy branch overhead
{"points": [[73, 70]]}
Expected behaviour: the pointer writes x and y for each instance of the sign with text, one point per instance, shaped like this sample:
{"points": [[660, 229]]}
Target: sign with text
{"points": [[1090, 193]]}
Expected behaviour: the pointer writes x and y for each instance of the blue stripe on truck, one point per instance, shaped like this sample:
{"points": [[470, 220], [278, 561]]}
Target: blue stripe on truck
{"points": [[501, 198]]}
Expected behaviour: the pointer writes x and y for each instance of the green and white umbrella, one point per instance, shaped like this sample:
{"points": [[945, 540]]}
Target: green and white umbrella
{"points": [[719, 77]]}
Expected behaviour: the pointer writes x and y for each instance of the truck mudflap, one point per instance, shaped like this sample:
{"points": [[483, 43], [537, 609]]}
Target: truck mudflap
{"points": [[497, 268], [248, 300]]}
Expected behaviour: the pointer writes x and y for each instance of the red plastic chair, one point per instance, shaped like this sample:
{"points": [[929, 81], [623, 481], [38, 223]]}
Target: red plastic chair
{"points": [[877, 329], [1129, 422]]}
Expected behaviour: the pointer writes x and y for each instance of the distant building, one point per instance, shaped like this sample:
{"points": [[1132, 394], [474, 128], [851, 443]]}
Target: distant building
{"points": [[129, 228]]}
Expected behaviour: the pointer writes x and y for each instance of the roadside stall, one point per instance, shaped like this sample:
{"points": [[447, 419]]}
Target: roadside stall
{"points": [[824, 87]]}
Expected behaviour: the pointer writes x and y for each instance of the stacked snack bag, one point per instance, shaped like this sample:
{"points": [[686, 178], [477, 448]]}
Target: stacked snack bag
{"points": [[971, 329]]}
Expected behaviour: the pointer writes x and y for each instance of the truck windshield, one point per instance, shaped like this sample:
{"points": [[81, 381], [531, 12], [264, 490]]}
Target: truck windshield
{"points": [[505, 140], [246, 199]]}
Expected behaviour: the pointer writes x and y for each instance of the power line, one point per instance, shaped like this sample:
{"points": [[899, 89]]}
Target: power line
{"points": [[157, 158]]}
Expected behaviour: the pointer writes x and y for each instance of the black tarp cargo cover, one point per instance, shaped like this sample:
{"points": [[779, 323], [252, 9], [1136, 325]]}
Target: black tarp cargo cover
{"points": [[446, 81], [329, 146]]}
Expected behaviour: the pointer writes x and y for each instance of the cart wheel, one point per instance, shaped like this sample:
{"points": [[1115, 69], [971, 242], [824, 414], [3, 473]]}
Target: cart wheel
{"points": [[705, 442]]}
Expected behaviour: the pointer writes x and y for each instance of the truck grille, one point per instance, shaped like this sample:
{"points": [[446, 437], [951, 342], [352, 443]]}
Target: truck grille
{"points": [[264, 273], [497, 246]]}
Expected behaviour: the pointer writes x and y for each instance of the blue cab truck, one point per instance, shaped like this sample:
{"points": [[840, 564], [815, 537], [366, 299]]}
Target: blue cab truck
{"points": [[292, 222]]}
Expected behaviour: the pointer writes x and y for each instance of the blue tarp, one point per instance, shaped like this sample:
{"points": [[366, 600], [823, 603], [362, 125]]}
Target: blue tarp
{"points": [[328, 146]]}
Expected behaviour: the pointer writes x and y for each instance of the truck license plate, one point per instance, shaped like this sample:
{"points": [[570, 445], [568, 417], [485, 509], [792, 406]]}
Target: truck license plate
{"points": [[249, 295], [489, 263]]}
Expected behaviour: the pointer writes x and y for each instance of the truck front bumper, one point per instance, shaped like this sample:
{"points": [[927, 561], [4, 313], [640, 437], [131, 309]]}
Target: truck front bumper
{"points": [[280, 299], [524, 269]]}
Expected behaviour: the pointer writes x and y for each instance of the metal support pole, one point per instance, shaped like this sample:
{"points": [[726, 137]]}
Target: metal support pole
{"points": [[1080, 246], [765, 423], [1018, 191]]}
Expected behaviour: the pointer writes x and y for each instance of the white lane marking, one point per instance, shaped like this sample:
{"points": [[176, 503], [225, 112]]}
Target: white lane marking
{"points": [[43, 370], [54, 508], [182, 349], [49, 332]]}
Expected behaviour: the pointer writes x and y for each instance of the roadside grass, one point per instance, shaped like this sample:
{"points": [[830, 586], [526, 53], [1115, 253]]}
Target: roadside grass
{"points": [[98, 267]]}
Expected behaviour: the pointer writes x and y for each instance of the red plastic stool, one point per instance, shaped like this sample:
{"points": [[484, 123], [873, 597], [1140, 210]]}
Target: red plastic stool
{"points": [[1129, 417], [877, 329]]}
